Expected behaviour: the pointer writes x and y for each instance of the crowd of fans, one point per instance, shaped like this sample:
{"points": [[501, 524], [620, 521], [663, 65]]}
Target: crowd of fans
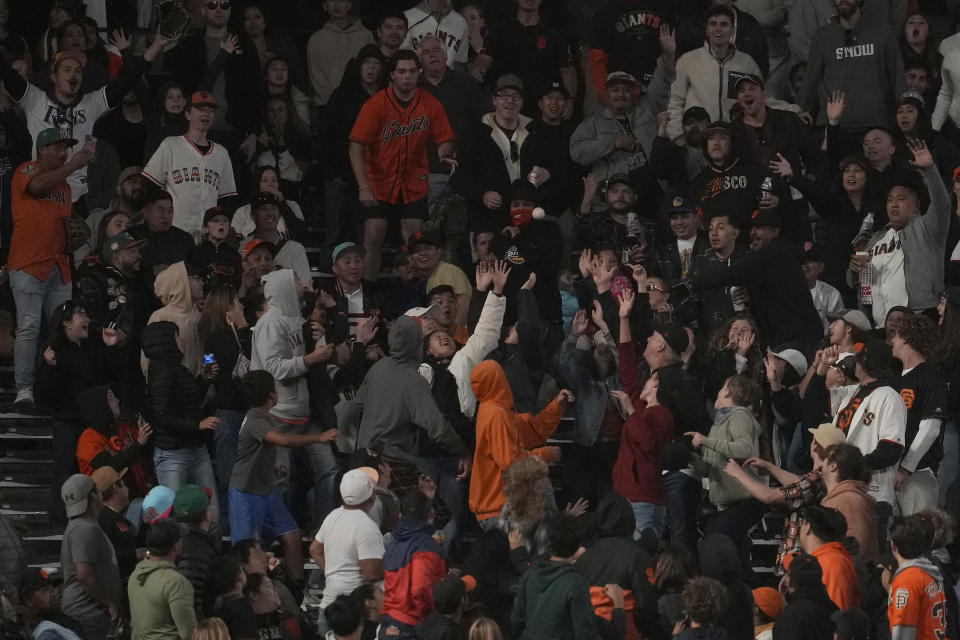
{"points": [[530, 315]]}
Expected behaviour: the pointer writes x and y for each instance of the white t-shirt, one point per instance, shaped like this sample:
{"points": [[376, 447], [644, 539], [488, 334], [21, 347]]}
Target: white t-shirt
{"points": [[826, 299], [42, 112], [451, 29], [194, 179], [348, 536], [889, 287]]}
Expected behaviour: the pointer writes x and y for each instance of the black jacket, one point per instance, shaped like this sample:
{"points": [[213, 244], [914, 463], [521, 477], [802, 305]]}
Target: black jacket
{"points": [[335, 125], [166, 248], [437, 626], [226, 350], [196, 565], [79, 367], [782, 302], [720, 560], [175, 396], [242, 77], [108, 296], [806, 616], [732, 190], [549, 147], [716, 305], [538, 248], [224, 260], [668, 264]]}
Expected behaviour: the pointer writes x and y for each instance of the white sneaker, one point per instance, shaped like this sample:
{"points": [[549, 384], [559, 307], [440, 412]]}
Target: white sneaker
{"points": [[24, 398]]}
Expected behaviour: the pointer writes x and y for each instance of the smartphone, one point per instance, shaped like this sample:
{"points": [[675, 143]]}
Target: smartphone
{"points": [[90, 143], [208, 358]]}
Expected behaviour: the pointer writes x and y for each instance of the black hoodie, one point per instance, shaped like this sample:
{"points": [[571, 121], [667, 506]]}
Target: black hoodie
{"points": [[175, 395], [720, 560], [616, 558]]}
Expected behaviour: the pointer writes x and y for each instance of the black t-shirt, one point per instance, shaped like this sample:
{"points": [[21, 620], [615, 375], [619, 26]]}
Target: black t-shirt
{"points": [[278, 625], [120, 533], [238, 616], [924, 392], [535, 54], [628, 31]]}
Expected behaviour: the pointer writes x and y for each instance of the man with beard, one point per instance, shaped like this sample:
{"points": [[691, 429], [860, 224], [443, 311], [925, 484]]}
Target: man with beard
{"points": [[679, 161], [613, 225], [129, 200], [40, 607], [772, 274], [719, 304], [729, 185], [857, 56], [773, 136], [619, 138]]}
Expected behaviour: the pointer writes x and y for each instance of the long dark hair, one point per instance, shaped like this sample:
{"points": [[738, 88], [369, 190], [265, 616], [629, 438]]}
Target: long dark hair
{"points": [[63, 313], [948, 346]]}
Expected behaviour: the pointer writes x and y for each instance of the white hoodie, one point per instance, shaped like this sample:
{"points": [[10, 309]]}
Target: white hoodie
{"points": [[278, 345]]}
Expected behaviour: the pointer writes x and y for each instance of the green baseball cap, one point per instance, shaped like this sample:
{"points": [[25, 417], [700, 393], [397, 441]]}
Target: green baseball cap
{"points": [[53, 136], [190, 503]]}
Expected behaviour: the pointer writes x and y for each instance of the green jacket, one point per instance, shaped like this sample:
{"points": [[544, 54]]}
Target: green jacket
{"points": [[735, 437], [161, 602], [553, 603]]}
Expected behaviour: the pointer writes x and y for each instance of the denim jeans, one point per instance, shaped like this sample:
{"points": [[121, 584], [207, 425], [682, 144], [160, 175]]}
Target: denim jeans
{"points": [[36, 300], [313, 468], [177, 467], [683, 503], [453, 492], [950, 465], [225, 446], [649, 516]]}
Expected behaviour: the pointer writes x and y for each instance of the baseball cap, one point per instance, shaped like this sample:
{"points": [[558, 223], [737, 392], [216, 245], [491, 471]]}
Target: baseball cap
{"points": [[117, 243], [213, 212], [674, 334], [346, 247], [79, 56], [851, 624], [524, 190], [424, 237], [794, 358], [201, 98], [190, 502], [508, 81], [257, 243], [620, 77], [695, 113], [805, 571], [854, 317], [129, 172], [75, 493], [356, 487], [875, 356], [368, 461], [417, 312], [106, 476], [738, 77], [160, 499], [36, 578], [678, 204], [620, 178], [448, 592], [53, 136], [263, 198], [369, 51], [912, 98], [720, 127], [847, 365], [827, 435], [769, 601], [553, 85], [852, 160], [765, 218]]}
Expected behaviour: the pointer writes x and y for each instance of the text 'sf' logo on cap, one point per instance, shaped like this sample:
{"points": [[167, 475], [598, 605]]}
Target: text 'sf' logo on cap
{"points": [[678, 201]]}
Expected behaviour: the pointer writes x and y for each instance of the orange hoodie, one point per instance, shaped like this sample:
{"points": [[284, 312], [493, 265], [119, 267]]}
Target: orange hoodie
{"points": [[502, 436], [839, 576]]}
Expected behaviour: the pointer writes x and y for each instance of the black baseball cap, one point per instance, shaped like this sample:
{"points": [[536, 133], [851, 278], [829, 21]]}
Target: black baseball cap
{"points": [[695, 113], [718, 127], [765, 217], [213, 212], [678, 204], [553, 85], [674, 335], [876, 356], [427, 237], [737, 77], [621, 178], [448, 592], [524, 190], [264, 198], [35, 578]]}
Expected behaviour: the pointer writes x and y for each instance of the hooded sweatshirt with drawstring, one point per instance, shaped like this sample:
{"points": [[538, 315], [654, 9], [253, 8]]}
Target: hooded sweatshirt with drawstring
{"points": [[394, 403], [172, 287], [853, 500], [503, 436], [161, 601], [278, 346]]}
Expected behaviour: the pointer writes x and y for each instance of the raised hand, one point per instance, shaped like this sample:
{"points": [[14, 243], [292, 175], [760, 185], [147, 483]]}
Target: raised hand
{"points": [[530, 283], [663, 119], [565, 397], [639, 276], [585, 261], [668, 41], [922, 158], [625, 401], [367, 329], [120, 40], [580, 323], [484, 275], [501, 271], [578, 508], [781, 167], [230, 43], [627, 298], [836, 103], [745, 341], [597, 316]]}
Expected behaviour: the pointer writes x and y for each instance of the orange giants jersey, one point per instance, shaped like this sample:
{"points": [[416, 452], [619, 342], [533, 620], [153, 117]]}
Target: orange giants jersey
{"points": [[396, 138], [917, 600]]}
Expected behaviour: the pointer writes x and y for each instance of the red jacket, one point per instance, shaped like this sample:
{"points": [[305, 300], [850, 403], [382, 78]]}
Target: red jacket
{"points": [[412, 562], [637, 472]]}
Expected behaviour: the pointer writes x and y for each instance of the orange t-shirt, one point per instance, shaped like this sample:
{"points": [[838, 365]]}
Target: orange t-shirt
{"points": [[39, 235], [917, 600]]}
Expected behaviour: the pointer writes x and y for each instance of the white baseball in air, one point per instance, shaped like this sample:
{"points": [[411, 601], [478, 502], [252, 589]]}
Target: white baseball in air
{"points": [[539, 213]]}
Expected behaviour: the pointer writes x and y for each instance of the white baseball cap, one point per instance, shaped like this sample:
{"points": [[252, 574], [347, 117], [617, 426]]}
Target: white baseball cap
{"points": [[795, 359], [417, 312], [356, 487]]}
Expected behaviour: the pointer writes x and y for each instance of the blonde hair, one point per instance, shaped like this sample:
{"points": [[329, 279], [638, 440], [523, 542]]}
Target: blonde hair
{"points": [[485, 629], [211, 629]]}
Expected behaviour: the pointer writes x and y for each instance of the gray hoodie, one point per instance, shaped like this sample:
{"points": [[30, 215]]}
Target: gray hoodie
{"points": [[278, 345], [394, 402]]}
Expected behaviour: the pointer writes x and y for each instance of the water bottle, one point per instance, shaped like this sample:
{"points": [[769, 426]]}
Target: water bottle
{"points": [[866, 280], [866, 232], [766, 187]]}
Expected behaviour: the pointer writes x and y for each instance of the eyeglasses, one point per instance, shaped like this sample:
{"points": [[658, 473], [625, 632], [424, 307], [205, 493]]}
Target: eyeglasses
{"points": [[653, 287], [514, 152], [509, 97], [218, 4]]}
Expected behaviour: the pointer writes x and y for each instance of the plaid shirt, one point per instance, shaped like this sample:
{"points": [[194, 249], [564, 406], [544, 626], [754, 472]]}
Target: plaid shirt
{"points": [[808, 490]]}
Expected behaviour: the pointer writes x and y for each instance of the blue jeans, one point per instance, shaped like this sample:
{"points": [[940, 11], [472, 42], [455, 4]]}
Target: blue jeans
{"points": [[312, 468], [649, 516], [683, 503], [225, 446], [452, 491], [36, 300], [177, 467]]}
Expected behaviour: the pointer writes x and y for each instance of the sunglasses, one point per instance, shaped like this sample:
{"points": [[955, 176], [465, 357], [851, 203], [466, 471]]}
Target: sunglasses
{"points": [[653, 287], [218, 4]]}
